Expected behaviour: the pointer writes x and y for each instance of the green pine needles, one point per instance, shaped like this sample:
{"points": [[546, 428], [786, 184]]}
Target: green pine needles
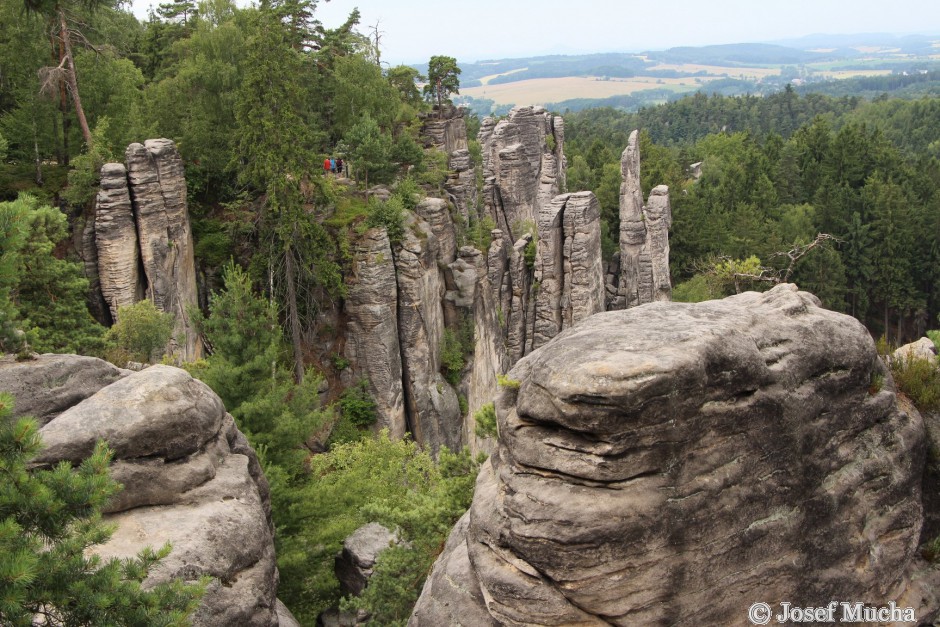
{"points": [[48, 520]]}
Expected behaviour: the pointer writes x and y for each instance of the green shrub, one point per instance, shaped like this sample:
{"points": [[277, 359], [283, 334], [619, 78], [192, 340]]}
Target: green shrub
{"points": [[142, 330], [919, 380], [452, 357], [49, 518], [931, 550], [480, 234], [390, 215], [408, 192], [358, 406], [505, 382], [935, 338], [485, 419], [393, 482]]}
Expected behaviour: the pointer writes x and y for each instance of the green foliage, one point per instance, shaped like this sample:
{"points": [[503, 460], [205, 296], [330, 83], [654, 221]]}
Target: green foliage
{"points": [[47, 293], [358, 406], [931, 550], [390, 215], [13, 230], [505, 382], [433, 169], [423, 520], [394, 482], [245, 338], [142, 330], [452, 357], [408, 192], [485, 421], [4, 146], [50, 519], [246, 369], [369, 150], [443, 79], [934, 336], [919, 380], [700, 287], [480, 232]]}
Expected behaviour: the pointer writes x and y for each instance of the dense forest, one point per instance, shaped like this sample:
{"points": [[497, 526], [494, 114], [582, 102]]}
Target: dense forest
{"points": [[773, 173], [256, 98]]}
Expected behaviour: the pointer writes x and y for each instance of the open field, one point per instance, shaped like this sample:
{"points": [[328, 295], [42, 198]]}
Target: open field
{"points": [[544, 90], [840, 74], [720, 70]]}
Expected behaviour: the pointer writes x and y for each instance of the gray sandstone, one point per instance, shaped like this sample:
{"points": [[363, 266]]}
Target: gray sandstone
{"points": [[643, 275], [356, 562], [674, 463], [568, 267], [189, 476], [158, 194], [522, 173], [116, 240], [921, 349], [48, 385], [433, 409], [372, 342]]}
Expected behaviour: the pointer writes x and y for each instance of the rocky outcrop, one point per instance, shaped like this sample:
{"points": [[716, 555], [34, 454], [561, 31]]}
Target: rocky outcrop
{"points": [[523, 167], [433, 408], [158, 193], [923, 348], [372, 344], [356, 562], [48, 385], [643, 275], [446, 130], [676, 463], [143, 239], [189, 476], [116, 241], [568, 265]]}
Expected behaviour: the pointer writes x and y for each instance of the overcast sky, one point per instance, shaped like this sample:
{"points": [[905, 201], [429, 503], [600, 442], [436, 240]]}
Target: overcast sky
{"points": [[473, 30]]}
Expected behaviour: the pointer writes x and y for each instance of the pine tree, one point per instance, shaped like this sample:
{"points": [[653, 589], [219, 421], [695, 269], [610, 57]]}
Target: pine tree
{"points": [[49, 293], [49, 518]]}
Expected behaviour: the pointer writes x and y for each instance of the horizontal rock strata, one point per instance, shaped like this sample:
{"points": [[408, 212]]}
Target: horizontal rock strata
{"points": [[674, 464]]}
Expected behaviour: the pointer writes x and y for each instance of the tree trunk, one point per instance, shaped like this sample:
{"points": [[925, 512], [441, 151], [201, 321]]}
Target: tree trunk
{"points": [[36, 151], [73, 79], [293, 315], [887, 328]]}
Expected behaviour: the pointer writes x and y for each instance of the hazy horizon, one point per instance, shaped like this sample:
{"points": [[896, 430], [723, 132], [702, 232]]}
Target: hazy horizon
{"points": [[490, 29]]}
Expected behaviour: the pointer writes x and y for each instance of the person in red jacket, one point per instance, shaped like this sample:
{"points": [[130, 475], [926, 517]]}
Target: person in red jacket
{"points": [[326, 166]]}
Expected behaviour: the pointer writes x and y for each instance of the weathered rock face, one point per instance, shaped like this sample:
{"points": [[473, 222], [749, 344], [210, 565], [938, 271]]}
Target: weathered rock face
{"points": [[372, 346], [189, 478], [433, 409], [643, 275], [561, 284], [48, 385], [116, 241], [158, 193], [446, 130], [523, 166], [356, 562], [921, 349], [675, 463], [143, 241], [568, 265]]}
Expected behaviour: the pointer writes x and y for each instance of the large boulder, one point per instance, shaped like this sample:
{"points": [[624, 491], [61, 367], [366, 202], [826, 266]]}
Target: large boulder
{"points": [[46, 386], [190, 477], [356, 562], [676, 463]]}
